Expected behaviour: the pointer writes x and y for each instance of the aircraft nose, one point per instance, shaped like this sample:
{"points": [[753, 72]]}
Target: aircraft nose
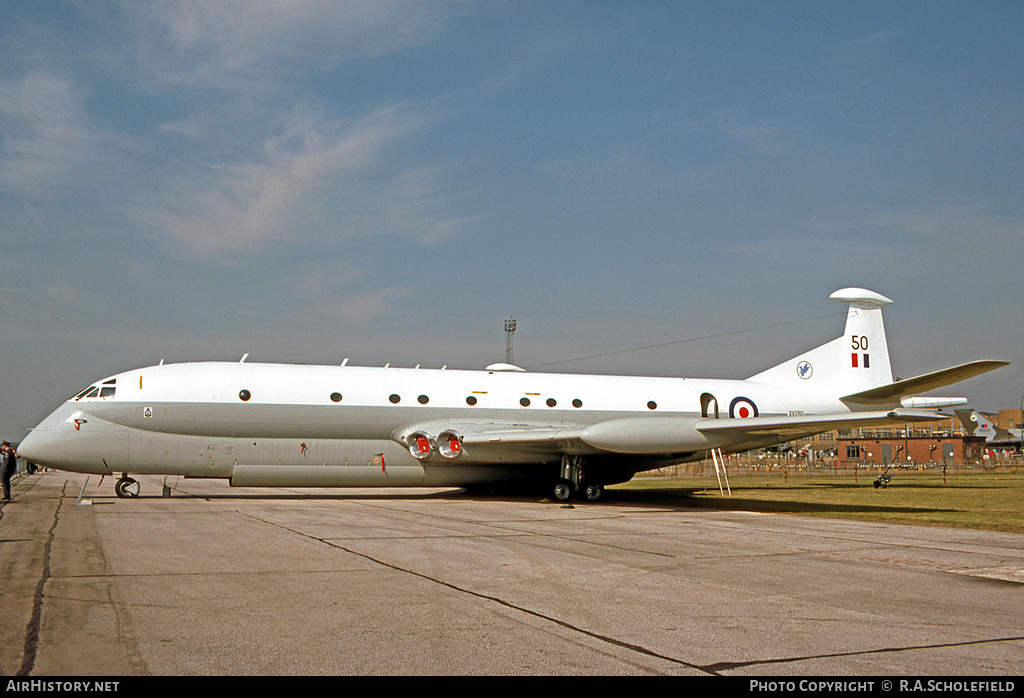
{"points": [[43, 446], [71, 440], [30, 448]]}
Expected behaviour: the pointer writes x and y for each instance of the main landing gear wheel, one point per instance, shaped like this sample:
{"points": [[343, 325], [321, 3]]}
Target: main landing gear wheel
{"points": [[562, 491], [126, 488], [573, 482]]}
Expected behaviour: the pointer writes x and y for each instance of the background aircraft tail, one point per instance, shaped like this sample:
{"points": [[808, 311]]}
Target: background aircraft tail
{"points": [[983, 425], [853, 363]]}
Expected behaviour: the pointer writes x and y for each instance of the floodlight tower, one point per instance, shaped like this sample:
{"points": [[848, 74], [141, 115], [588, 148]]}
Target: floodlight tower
{"points": [[510, 329]]}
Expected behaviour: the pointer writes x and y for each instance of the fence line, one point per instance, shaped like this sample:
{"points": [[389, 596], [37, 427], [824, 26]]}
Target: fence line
{"points": [[795, 466]]}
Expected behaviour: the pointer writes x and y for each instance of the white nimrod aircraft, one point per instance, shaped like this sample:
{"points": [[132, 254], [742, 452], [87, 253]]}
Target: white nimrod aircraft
{"points": [[344, 426]]}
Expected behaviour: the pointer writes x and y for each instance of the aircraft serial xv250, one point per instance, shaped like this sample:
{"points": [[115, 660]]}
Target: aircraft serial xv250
{"points": [[342, 426]]}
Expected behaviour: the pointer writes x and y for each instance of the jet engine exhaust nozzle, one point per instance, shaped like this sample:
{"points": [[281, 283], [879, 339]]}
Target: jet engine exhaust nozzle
{"points": [[420, 445], [449, 444]]}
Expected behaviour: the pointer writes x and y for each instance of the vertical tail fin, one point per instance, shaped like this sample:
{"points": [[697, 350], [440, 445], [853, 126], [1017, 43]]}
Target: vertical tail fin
{"points": [[868, 361], [857, 361]]}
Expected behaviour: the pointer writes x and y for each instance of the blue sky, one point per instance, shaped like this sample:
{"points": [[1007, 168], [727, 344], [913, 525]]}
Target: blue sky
{"points": [[387, 181]]}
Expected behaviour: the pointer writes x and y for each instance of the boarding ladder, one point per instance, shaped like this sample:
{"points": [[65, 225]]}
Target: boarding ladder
{"points": [[716, 456]]}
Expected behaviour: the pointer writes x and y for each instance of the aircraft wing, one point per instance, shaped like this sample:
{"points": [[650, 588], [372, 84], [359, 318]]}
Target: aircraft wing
{"points": [[645, 436], [891, 393], [668, 435], [519, 435], [787, 428]]}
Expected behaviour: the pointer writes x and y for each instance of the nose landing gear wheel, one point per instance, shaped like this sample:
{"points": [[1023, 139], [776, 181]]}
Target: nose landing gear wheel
{"points": [[126, 488]]}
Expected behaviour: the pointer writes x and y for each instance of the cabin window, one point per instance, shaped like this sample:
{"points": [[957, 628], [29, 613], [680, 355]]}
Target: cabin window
{"points": [[423, 399], [577, 403], [525, 402], [652, 405], [395, 399], [244, 395], [471, 400], [551, 402], [107, 391], [335, 397]]}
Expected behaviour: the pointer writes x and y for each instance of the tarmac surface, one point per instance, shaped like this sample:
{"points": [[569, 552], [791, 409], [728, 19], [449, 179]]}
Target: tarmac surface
{"points": [[221, 581]]}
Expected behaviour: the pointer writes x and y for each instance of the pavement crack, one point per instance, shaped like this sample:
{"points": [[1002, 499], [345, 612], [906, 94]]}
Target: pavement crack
{"points": [[632, 647], [35, 620], [732, 666]]}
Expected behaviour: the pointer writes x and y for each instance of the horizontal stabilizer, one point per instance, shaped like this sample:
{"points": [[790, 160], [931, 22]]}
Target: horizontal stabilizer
{"points": [[891, 393]]}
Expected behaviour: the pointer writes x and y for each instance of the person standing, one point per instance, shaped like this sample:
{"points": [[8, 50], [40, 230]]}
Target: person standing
{"points": [[9, 466]]}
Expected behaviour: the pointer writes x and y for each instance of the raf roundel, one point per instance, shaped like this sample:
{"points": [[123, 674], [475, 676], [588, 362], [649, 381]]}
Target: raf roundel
{"points": [[742, 408]]}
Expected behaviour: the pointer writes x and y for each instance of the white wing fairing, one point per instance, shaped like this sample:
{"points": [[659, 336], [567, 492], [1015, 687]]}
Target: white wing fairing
{"points": [[273, 424]]}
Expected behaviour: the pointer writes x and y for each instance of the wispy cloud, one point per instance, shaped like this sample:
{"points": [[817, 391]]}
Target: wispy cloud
{"points": [[242, 206], [761, 138], [424, 205], [211, 42], [49, 144]]}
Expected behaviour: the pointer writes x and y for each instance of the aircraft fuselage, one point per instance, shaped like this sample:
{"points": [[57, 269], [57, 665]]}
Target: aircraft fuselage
{"points": [[335, 425]]}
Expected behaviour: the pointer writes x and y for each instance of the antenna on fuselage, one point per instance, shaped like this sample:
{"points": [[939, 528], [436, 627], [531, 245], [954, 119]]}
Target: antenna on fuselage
{"points": [[244, 357]]}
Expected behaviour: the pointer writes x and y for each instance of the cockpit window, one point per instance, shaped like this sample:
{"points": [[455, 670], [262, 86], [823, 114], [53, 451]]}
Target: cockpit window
{"points": [[106, 390]]}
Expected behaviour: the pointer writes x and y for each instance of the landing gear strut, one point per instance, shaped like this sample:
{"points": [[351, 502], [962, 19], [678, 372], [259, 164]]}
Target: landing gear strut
{"points": [[126, 487], [573, 482]]}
